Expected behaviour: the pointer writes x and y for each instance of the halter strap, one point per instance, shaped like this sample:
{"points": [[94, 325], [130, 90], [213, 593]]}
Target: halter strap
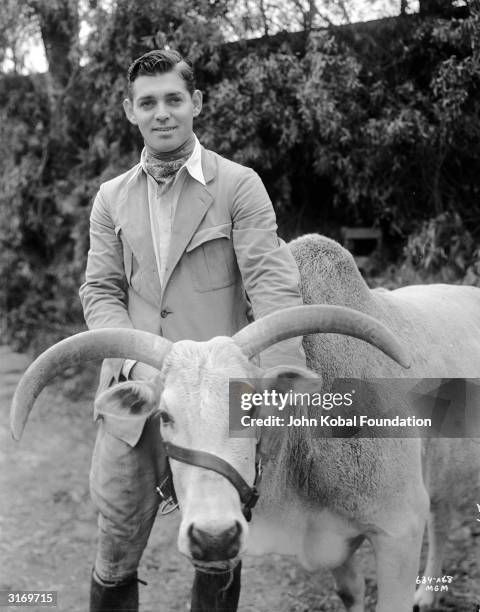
{"points": [[248, 495]]}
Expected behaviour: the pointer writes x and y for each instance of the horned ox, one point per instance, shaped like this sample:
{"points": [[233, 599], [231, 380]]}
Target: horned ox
{"points": [[319, 498]]}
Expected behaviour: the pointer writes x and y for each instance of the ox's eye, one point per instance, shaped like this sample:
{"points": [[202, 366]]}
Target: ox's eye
{"points": [[165, 417]]}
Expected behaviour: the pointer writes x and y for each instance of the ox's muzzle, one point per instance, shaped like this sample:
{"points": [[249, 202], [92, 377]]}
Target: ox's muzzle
{"points": [[213, 538], [207, 546]]}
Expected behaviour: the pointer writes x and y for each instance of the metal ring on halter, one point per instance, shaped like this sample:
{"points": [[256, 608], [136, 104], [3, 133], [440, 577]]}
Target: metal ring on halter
{"points": [[168, 503], [168, 506]]}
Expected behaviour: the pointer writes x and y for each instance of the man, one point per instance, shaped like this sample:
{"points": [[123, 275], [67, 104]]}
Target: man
{"points": [[183, 245]]}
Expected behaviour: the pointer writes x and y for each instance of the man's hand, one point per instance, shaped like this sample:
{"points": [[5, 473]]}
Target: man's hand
{"points": [[142, 371]]}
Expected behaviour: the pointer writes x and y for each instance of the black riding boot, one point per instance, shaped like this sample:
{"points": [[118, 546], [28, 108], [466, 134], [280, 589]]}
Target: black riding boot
{"points": [[121, 597], [216, 592]]}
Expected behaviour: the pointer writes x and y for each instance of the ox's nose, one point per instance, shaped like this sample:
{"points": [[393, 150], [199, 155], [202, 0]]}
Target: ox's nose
{"points": [[206, 546]]}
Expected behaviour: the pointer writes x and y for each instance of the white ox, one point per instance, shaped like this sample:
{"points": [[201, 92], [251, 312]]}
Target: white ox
{"points": [[319, 497]]}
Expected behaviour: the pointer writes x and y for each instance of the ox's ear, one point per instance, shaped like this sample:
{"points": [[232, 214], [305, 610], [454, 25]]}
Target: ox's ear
{"points": [[288, 373], [285, 378], [125, 408]]}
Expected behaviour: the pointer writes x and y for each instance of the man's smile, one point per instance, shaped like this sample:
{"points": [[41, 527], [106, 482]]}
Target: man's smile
{"points": [[163, 129]]}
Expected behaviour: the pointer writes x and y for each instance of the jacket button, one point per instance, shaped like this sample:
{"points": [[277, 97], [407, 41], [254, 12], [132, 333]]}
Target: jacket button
{"points": [[165, 312]]}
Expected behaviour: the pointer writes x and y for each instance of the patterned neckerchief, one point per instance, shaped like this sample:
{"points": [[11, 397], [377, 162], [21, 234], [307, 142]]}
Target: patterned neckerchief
{"points": [[164, 166]]}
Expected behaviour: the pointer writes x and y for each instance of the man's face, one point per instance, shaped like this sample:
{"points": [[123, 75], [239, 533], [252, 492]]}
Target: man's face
{"points": [[163, 110]]}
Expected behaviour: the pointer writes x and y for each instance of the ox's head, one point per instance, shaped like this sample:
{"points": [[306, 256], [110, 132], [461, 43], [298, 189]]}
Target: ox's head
{"points": [[192, 397]]}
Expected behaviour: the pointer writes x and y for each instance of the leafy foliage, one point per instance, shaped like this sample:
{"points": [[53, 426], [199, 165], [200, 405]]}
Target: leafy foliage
{"points": [[438, 242], [441, 250], [350, 132]]}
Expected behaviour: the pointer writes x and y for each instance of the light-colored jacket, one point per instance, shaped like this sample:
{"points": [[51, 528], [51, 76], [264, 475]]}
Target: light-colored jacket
{"points": [[223, 246]]}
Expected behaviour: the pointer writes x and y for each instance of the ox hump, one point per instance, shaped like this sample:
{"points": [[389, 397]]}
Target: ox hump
{"points": [[329, 274]]}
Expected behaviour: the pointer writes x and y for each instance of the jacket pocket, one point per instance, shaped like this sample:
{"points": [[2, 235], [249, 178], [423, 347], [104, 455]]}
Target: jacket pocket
{"points": [[211, 258]]}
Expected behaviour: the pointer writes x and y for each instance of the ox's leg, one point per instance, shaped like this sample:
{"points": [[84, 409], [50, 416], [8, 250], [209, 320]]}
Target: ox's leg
{"points": [[351, 584], [216, 592], [397, 558], [438, 529]]}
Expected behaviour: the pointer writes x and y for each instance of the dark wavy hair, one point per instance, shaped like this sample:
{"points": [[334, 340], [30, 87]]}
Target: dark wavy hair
{"points": [[160, 61]]}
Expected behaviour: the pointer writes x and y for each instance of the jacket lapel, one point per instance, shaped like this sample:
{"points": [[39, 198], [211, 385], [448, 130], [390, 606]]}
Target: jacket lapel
{"points": [[134, 220], [193, 203]]}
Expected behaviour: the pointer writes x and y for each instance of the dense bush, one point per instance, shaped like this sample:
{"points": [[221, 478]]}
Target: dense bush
{"points": [[357, 126], [352, 141], [441, 250]]}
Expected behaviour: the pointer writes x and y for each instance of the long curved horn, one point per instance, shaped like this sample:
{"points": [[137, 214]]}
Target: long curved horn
{"points": [[323, 318], [89, 345]]}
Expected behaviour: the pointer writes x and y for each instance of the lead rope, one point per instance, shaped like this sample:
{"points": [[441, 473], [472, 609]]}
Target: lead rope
{"points": [[230, 580]]}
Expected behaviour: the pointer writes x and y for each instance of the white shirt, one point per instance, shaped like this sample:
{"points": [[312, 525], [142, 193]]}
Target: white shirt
{"points": [[162, 204]]}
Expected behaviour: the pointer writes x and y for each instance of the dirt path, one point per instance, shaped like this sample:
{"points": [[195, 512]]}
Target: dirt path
{"points": [[48, 525]]}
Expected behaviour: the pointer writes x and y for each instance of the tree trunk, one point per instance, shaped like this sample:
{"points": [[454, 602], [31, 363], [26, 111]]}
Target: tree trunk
{"points": [[59, 26]]}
